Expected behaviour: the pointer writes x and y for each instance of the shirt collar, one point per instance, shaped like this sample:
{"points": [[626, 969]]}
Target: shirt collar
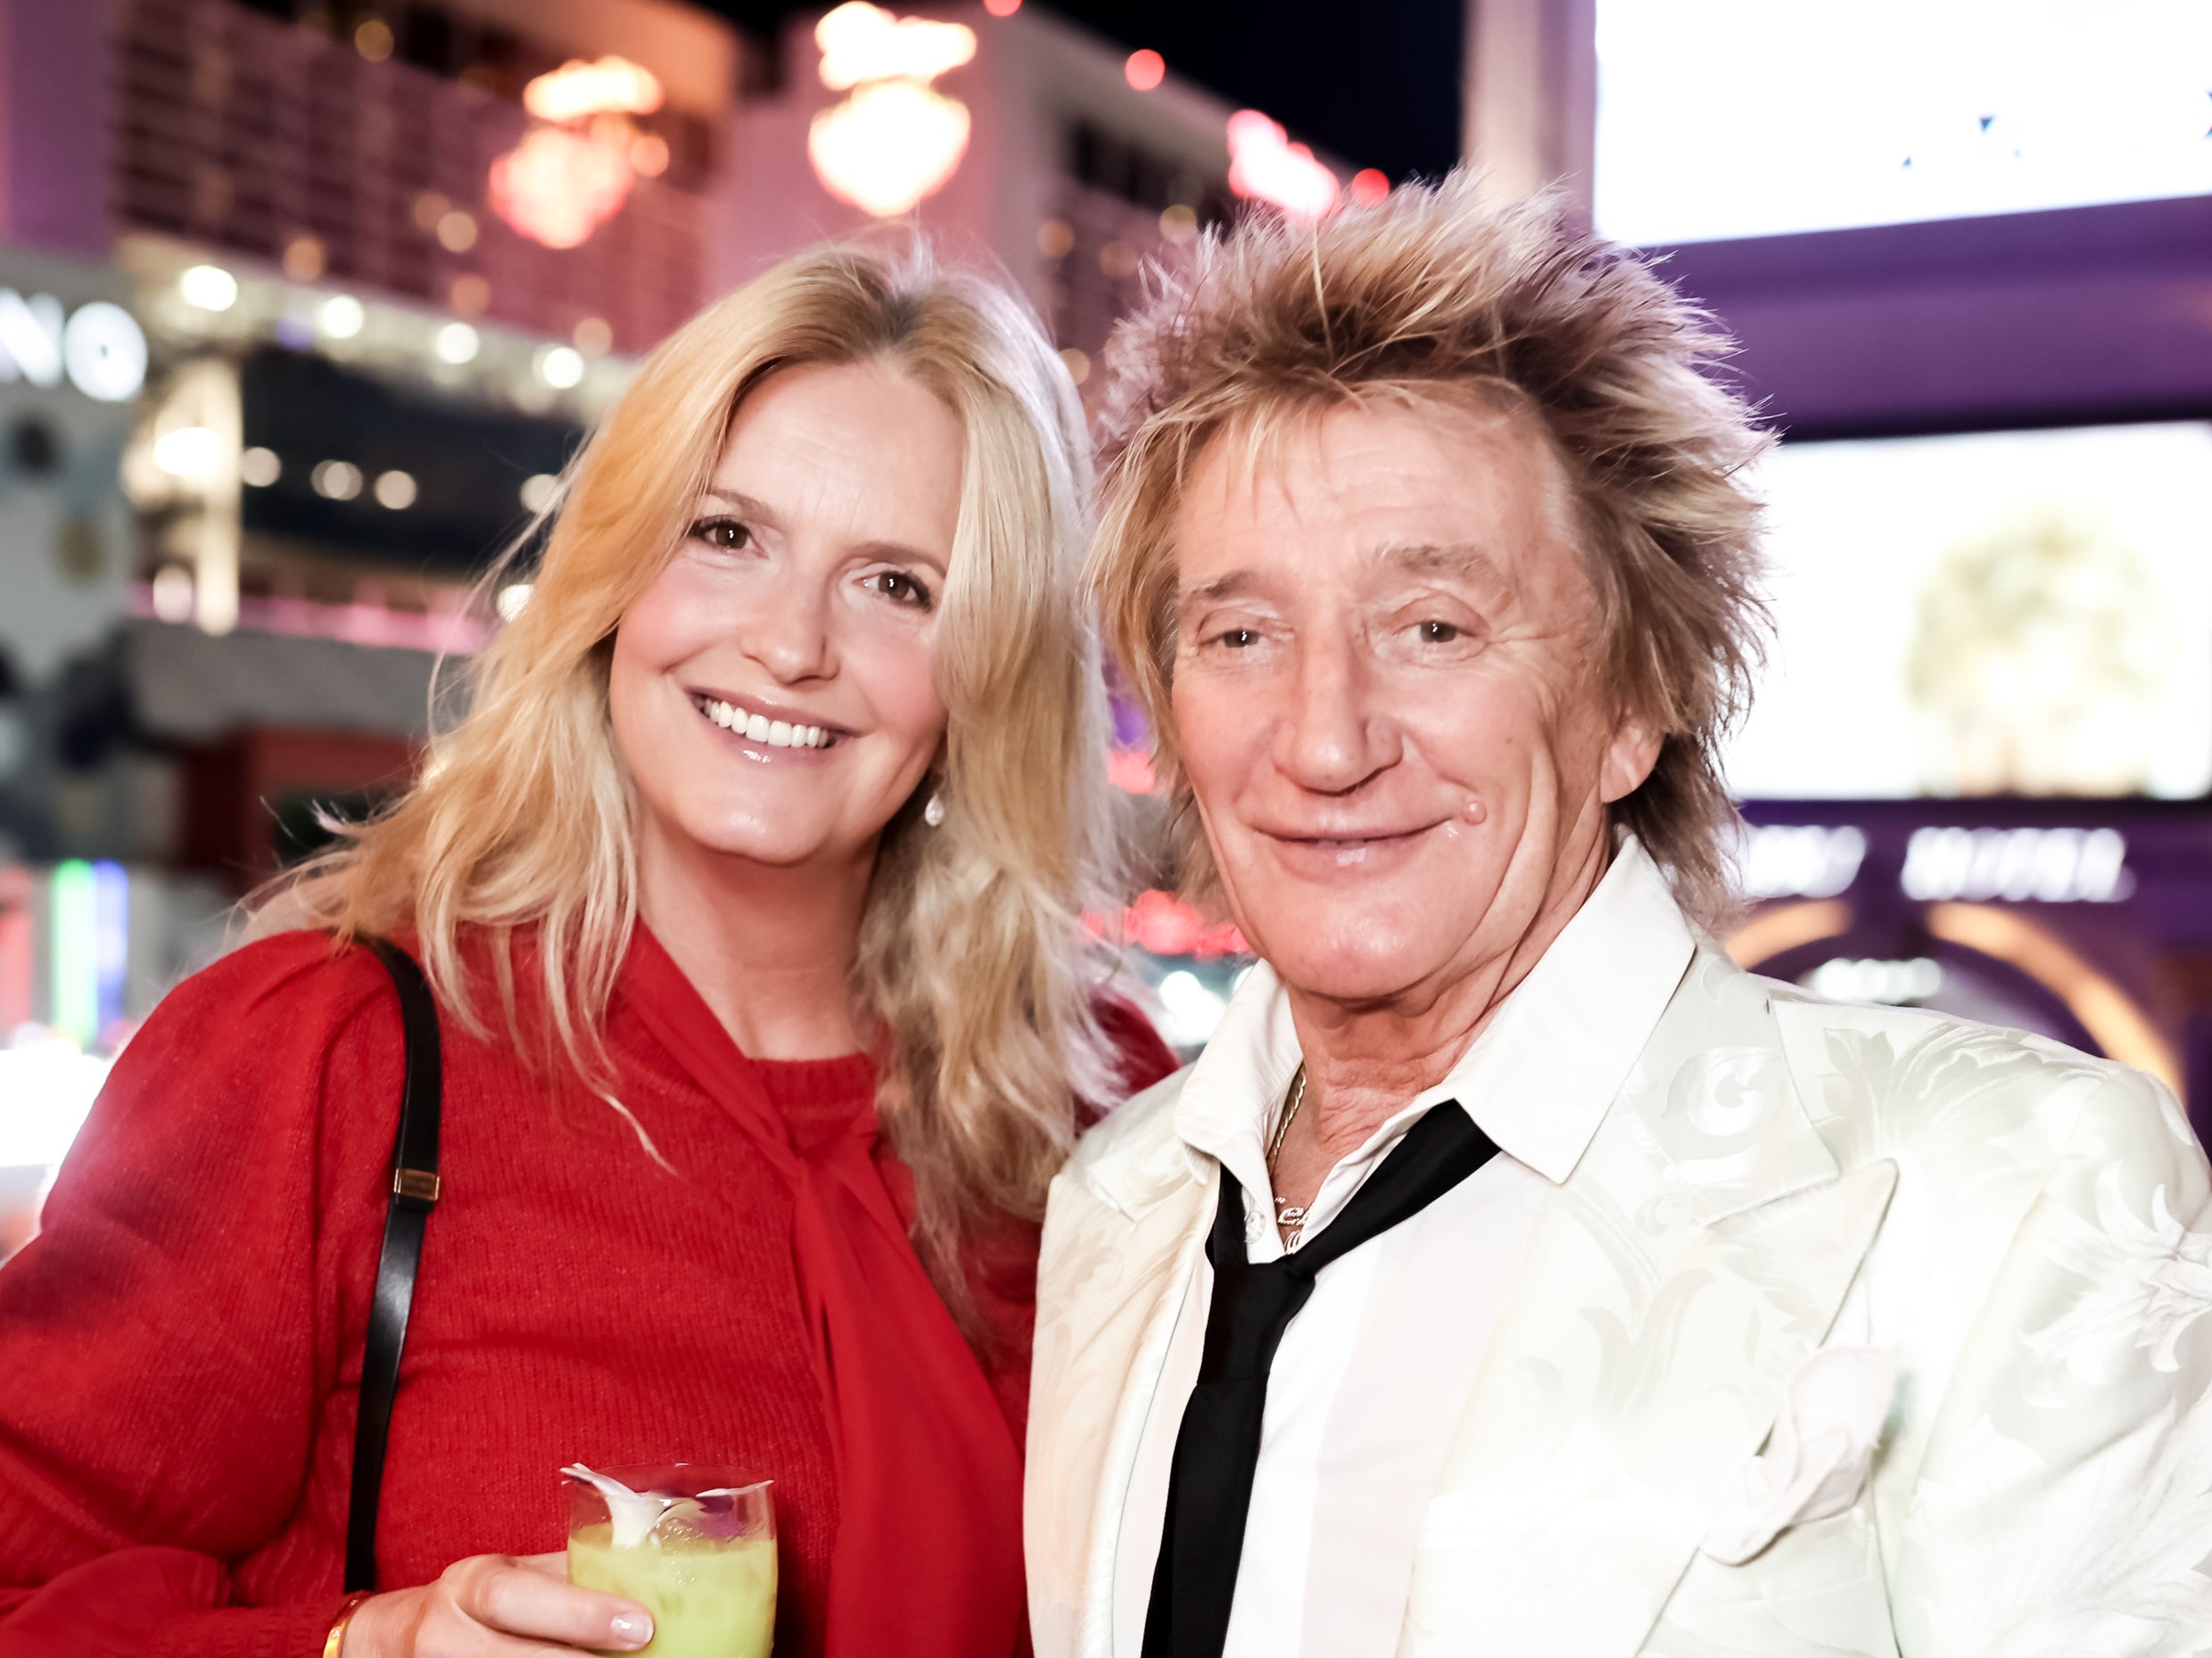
{"points": [[1540, 1078]]}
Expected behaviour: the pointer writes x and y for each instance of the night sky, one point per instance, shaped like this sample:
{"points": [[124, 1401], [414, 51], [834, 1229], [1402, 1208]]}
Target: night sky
{"points": [[1378, 83]]}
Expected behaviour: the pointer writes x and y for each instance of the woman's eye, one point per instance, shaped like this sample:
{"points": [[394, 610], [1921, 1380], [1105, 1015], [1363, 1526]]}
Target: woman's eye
{"points": [[900, 588], [724, 534], [1237, 638], [1439, 633]]}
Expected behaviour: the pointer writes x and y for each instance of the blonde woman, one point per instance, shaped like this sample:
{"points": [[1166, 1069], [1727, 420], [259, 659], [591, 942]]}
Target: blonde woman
{"points": [[749, 892]]}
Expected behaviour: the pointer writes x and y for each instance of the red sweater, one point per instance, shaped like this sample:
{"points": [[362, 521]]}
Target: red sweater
{"points": [[181, 1346]]}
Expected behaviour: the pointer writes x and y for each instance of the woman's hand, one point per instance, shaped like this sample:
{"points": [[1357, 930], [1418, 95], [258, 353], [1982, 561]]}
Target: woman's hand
{"points": [[496, 1607]]}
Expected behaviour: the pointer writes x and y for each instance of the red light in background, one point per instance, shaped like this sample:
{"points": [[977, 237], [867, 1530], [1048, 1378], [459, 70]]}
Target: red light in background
{"points": [[1132, 769], [1369, 186], [1145, 70], [1002, 8]]}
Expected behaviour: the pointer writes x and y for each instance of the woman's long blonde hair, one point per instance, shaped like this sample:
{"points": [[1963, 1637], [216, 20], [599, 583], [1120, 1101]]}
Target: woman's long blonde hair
{"points": [[970, 951]]}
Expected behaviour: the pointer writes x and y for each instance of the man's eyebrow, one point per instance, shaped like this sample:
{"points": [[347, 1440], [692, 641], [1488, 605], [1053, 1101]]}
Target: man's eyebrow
{"points": [[1228, 585], [1450, 558]]}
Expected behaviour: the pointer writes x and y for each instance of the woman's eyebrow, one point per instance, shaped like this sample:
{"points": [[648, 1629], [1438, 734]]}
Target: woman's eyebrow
{"points": [[739, 502]]}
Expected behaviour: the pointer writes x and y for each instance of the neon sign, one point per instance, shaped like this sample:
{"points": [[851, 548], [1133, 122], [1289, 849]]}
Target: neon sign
{"points": [[895, 140]]}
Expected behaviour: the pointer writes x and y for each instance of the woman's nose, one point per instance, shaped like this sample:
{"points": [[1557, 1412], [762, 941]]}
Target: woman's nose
{"points": [[790, 633]]}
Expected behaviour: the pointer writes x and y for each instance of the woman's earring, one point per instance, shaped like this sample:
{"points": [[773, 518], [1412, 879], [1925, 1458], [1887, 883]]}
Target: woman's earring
{"points": [[933, 814]]}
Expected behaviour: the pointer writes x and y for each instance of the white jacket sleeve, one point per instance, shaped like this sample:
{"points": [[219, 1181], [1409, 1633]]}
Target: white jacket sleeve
{"points": [[2065, 1503]]}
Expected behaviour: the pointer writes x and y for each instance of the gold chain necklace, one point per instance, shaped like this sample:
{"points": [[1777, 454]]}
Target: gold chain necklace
{"points": [[1286, 1214]]}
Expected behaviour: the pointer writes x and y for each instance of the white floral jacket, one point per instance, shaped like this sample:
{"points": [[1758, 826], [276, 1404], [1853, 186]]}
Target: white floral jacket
{"points": [[2000, 1250]]}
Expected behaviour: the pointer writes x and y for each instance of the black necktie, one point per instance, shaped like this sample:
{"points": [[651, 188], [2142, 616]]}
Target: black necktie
{"points": [[1218, 1448]]}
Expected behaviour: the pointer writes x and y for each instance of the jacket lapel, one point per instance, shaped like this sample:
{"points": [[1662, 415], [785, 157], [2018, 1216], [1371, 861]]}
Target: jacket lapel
{"points": [[1128, 1233], [1696, 1256]]}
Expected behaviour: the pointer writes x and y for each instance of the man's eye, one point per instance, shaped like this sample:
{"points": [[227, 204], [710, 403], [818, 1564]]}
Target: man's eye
{"points": [[724, 534], [1439, 633], [900, 588]]}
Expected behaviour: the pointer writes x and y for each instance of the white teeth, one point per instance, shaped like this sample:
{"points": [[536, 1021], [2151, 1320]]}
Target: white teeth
{"points": [[758, 729]]}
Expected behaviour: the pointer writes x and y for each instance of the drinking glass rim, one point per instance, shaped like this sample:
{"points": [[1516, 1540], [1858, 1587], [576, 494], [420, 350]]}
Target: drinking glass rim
{"points": [[738, 1486]]}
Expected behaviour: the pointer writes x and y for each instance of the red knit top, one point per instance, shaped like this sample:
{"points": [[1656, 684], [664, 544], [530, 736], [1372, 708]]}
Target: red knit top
{"points": [[181, 1346]]}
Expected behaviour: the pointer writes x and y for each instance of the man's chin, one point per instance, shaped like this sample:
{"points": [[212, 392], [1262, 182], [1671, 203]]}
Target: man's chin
{"points": [[1370, 972]]}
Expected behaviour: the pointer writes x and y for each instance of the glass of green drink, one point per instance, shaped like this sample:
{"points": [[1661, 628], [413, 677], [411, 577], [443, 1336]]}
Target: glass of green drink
{"points": [[693, 1544]]}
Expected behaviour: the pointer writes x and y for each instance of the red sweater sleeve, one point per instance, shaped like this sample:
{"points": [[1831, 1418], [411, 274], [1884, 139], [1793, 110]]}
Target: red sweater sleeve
{"points": [[166, 1339]]}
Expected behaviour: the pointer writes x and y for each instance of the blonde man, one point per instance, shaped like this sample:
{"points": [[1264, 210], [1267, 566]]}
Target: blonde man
{"points": [[1514, 1275]]}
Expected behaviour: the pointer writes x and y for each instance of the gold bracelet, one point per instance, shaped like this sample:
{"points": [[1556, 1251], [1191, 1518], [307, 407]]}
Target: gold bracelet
{"points": [[334, 1642]]}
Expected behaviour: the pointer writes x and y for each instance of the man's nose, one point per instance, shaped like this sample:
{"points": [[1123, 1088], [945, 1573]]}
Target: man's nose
{"points": [[1330, 740], [790, 633]]}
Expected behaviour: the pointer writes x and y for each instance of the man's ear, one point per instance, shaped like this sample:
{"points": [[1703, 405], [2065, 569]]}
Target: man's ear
{"points": [[1628, 759]]}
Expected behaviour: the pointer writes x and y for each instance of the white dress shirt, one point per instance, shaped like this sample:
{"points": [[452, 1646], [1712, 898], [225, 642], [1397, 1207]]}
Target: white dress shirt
{"points": [[1370, 1380]]}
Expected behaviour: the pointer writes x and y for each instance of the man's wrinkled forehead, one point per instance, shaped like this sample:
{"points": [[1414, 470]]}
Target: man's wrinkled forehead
{"points": [[1275, 454]]}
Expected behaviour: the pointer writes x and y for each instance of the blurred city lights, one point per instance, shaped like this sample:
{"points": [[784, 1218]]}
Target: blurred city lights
{"points": [[1078, 363], [1798, 861], [188, 452], [862, 43], [430, 207], [337, 480], [512, 599], [556, 187], [1145, 70], [341, 316], [1895, 982], [1265, 166], [1369, 186], [649, 154], [1002, 8], [1178, 224], [105, 352], [1915, 112], [456, 231], [561, 367], [888, 145], [577, 89], [173, 593], [30, 337], [1189, 1011], [259, 468], [470, 294], [1055, 237], [372, 39], [538, 491], [456, 343], [395, 490], [895, 140], [48, 1086], [210, 287], [2019, 865], [304, 258], [593, 337]]}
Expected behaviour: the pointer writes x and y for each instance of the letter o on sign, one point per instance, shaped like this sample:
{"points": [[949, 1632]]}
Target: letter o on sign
{"points": [[105, 352]]}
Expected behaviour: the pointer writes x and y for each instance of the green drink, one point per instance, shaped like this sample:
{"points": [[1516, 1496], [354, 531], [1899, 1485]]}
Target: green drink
{"points": [[696, 1546]]}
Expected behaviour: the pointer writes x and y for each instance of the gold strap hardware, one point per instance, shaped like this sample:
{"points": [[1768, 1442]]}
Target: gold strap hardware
{"points": [[418, 1183]]}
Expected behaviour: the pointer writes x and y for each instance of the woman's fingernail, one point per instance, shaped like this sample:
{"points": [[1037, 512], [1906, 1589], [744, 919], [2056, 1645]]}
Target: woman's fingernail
{"points": [[632, 1626]]}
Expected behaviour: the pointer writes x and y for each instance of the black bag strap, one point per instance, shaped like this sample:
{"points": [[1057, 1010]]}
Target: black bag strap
{"points": [[414, 1187]]}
